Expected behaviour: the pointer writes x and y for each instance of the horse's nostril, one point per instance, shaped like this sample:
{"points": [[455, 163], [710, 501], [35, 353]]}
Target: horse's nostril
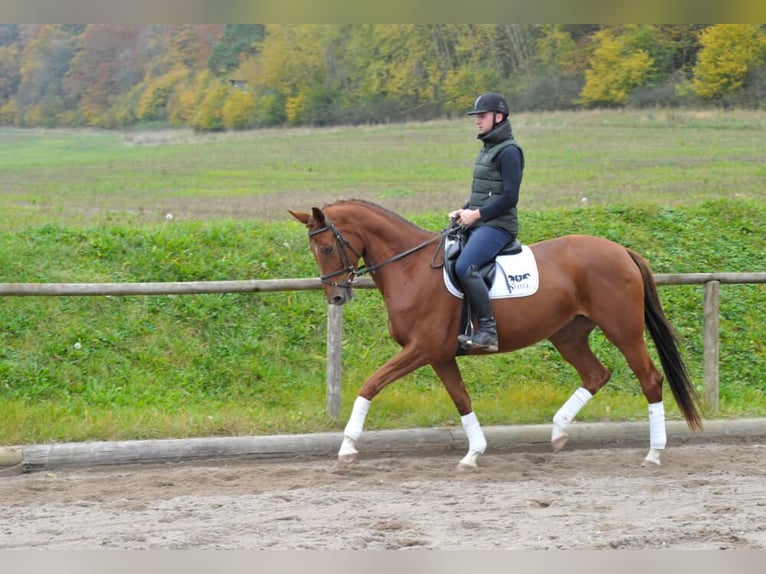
{"points": [[337, 300]]}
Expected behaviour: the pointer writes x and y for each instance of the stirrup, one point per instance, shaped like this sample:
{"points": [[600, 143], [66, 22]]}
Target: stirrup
{"points": [[489, 344]]}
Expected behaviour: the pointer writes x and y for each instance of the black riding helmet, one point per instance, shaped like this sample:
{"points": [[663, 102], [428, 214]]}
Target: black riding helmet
{"points": [[490, 102]]}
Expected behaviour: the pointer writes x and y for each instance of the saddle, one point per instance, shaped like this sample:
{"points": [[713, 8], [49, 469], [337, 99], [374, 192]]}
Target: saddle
{"points": [[454, 245]]}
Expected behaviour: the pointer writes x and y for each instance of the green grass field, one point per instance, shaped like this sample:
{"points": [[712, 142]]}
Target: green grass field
{"points": [[686, 189]]}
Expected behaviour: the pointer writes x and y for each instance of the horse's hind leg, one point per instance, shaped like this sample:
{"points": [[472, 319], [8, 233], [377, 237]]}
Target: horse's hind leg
{"points": [[627, 335], [651, 379], [572, 343]]}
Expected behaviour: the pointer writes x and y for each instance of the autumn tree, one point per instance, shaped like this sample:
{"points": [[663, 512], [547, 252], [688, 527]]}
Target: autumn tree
{"points": [[729, 52], [321, 74], [619, 64], [155, 96], [238, 111], [209, 116], [109, 61], [300, 62], [184, 103], [10, 73], [44, 65], [10, 64]]}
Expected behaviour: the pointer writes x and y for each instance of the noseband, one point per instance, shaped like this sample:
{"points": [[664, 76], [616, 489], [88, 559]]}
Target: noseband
{"points": [[348, 268]]}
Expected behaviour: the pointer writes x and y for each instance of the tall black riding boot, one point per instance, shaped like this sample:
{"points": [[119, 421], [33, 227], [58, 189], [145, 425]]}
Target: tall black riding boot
{"points": [[485, 338]]}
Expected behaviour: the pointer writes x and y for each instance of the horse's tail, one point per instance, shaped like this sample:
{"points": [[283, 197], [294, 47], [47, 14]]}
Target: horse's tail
{"points": [[666, 342]]}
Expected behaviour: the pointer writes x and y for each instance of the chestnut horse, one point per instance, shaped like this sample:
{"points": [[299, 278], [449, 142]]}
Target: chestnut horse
{"points": [[584, 282]]}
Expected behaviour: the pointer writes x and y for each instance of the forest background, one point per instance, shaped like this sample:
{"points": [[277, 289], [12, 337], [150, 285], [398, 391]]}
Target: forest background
{"points": [[241, 76]]}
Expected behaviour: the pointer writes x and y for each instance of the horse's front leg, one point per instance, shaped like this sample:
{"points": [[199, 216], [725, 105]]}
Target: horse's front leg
{"points": [[403, 363], [449, 373]]}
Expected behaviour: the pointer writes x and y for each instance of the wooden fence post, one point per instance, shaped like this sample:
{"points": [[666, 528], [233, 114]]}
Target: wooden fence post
{"points": [[334, 340], [710, 346]]}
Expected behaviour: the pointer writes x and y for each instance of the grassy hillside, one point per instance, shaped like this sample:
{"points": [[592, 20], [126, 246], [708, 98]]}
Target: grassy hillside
{"points": [[135, 367], [119, 367]]}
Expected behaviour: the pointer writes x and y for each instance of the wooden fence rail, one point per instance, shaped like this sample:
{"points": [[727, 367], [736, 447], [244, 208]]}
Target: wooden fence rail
{"points": [[711, 282]]}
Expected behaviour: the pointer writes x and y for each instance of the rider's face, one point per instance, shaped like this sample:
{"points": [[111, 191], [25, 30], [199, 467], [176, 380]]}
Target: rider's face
{"points": [[484, 121]]}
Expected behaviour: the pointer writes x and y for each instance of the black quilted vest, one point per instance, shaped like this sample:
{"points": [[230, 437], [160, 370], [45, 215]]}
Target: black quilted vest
{"points": [[487, 180]]}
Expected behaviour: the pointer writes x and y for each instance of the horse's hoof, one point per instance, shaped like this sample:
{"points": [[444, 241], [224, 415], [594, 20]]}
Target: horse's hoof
{"points": [[347, 454], [346, 460], [559, 438], [469, 461], [558, 444], [653, 458]]}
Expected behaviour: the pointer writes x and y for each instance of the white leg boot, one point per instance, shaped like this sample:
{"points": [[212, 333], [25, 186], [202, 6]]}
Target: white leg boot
{"points": [[477, 443], [566, 415], [657, 433], [353, 430]]}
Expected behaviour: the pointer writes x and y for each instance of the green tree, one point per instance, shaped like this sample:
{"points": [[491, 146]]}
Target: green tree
{"points": [[728, 53], [238, 41], [406, 67], [556, 50]]}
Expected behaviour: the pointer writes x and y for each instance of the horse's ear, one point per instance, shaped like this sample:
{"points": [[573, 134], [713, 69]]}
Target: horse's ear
{"points": [[300, 216], [319, 217]]}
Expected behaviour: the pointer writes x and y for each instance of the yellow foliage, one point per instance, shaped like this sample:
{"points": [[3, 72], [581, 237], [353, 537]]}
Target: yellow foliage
{"points": [[187, 95], [294, 108], [614, 71], [294, 56], [182, 105], [210, 114], [461, 86], [9, 113], [153, 103], [728, 52], [238, 110], [34, 115]]}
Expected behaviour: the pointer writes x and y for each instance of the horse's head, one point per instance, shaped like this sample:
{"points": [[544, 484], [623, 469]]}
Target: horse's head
{"points": [[336, 257]]}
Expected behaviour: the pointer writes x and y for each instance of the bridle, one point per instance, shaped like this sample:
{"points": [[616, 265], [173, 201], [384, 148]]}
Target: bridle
{"points": [[351, 271]]}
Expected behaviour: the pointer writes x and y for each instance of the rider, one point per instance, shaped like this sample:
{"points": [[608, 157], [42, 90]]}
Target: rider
{"points": [[489, 215]]}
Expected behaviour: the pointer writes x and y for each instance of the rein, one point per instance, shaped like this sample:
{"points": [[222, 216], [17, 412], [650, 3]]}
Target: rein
{"points": [[353, 272]]}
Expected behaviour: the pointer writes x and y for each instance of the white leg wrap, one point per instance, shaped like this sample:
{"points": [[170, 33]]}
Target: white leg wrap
{"points": [[657, 435], [476, 441], [569, 410], [355, 422]]}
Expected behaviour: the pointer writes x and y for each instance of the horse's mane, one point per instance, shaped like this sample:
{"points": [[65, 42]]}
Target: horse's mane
{"points": [[378, 208]]}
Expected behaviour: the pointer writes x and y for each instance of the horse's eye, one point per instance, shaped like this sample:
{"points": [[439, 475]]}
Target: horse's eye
{"points": [[327, 250]]}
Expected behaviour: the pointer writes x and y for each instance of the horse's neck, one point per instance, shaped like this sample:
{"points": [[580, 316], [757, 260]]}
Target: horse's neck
{"points": [[388, 242], [383, 245]]}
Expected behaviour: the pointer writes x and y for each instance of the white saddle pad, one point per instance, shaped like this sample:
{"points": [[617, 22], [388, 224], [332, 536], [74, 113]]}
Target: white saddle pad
{"points": [[515, 276]]}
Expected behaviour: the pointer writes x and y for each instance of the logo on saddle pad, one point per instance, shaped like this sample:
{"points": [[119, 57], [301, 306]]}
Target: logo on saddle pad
{"points": [[515, 276]]}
